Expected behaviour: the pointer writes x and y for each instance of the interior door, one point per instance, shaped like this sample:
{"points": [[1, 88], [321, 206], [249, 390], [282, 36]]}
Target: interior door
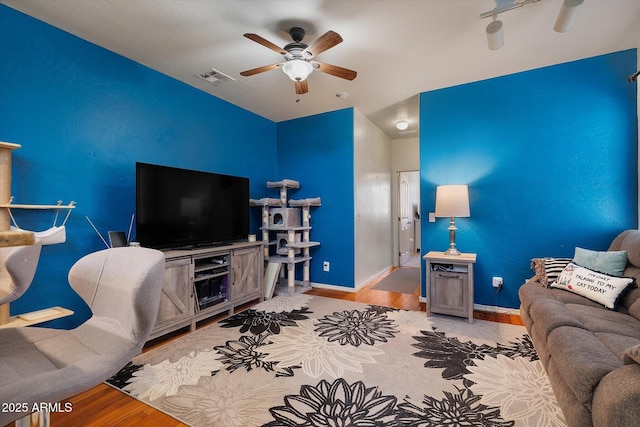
{"points": [[405, 219]]}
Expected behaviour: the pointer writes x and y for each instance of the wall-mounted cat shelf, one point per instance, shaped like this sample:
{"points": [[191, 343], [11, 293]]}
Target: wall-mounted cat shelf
{"points": [[11, 205]]}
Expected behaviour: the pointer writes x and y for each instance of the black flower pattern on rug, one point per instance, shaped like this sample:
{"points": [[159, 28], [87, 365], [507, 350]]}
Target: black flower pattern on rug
{"points": [[450, 353], [521, 347], [456, 409], [120, 379], [380, 309], [258, 322], [242, 353], [356, 327], [335, 404]]}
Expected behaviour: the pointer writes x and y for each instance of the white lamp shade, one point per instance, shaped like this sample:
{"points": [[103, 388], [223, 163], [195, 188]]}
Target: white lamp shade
{"points": [[495, 35], [297, 69], [452, 201], [567, 16]]}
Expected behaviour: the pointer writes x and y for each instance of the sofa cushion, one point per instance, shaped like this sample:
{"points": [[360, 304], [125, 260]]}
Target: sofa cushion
{"points": [[634, 308], [599, 287], [581, 359], [628, 240], [617, 344], [550, 314], [615, 401], [609, 262], [598, 320]]}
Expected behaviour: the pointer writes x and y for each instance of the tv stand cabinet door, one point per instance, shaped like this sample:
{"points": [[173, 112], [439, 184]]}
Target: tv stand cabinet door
{"points": [[176, 301], [247, 265]]}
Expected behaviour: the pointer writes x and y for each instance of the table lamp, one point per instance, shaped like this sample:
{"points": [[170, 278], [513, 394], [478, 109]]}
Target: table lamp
{"points": [[452, 201]]}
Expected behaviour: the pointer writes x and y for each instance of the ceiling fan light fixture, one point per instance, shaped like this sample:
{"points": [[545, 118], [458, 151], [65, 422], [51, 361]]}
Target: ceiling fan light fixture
{"points": [[297, 69], [402, 125]]}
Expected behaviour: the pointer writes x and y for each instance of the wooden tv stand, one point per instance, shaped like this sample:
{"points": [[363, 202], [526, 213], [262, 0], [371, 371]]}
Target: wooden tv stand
{"points": [[238, 265]]}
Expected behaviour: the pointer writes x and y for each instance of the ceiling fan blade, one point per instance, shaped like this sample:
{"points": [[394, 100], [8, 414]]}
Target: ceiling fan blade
{"points": [[302, 87], [259, 70], [334, 70], [322, 43], [266, 43]]}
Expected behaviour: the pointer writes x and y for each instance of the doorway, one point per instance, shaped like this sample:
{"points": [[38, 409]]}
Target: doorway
{"points": [[409, 219]]}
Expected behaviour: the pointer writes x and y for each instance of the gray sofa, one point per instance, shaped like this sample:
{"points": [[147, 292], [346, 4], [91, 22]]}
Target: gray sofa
{"points": [[591, 353]]}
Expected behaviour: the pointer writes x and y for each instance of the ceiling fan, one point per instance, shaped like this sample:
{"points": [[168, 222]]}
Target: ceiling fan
{"points": [[298, 58]]}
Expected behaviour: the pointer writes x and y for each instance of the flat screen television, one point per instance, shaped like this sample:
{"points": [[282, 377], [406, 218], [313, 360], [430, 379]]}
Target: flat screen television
{"points": [[178, 208]]}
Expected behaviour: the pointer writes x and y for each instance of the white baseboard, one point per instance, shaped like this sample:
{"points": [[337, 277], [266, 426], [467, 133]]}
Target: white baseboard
{"points": [[374, 278], [332, 287], [359, 286], [479, 307], [496, 309]]}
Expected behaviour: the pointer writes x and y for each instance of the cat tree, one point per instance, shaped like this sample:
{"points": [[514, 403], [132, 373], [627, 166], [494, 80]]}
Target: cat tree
{"points": [[20, 237], [291, 228]]}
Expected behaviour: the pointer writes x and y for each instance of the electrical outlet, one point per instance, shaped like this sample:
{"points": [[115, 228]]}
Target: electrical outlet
{"points": [[497, 282], [326, 266]]}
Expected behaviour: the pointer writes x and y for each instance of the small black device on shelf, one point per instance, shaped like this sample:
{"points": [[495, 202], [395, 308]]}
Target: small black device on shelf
{"points": [[211, 291]]}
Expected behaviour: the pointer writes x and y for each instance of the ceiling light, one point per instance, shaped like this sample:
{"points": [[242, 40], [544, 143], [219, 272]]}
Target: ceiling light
{"points": [[567, 16], [564, 22], [402, 125], [495, 35], [297, 69]]}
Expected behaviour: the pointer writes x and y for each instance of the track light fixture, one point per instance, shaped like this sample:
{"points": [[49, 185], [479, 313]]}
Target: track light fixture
{"points": [[567, 16], [495, 32]]}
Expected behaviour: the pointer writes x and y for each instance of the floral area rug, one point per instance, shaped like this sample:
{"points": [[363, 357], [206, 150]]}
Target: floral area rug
{"points": [[303, 360]]}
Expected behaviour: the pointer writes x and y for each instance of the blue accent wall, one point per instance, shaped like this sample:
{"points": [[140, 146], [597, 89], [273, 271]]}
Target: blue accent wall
{"points": [[84, 116], [318, 151], [550, 157]]}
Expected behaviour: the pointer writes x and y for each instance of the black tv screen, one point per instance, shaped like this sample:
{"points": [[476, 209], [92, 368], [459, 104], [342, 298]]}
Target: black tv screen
{"points": [[177, 208]]}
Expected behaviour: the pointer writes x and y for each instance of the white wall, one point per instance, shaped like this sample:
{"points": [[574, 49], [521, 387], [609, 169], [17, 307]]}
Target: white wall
{"points": [[405, 156], [372, 193]]}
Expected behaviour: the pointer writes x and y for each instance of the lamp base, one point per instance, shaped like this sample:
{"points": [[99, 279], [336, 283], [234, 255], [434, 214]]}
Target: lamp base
{"points": [[453, 252], [452, 238]]}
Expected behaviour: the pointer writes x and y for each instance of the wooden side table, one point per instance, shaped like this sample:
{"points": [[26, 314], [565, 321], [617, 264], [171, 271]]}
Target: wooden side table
{"points": [[450, 284]]}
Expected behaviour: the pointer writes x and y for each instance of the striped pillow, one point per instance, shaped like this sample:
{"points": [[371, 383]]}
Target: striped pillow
{"points": [[548, 269]]}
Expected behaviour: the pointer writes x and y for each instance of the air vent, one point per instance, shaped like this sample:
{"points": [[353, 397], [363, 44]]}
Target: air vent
{"points": [[215, 77]]}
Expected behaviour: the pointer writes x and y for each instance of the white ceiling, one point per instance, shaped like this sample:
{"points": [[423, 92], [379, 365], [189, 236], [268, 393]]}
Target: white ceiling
{"points": [[398, 47]]}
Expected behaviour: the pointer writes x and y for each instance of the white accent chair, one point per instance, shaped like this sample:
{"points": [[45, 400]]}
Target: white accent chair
{"points": [[122, 287], [17, 267]]}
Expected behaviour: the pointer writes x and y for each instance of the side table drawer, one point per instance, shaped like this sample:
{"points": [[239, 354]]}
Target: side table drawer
{"points": [[449, 293]]}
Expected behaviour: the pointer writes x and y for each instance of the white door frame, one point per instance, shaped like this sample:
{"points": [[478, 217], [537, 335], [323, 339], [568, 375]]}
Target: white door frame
{"points": [[407, 225]]}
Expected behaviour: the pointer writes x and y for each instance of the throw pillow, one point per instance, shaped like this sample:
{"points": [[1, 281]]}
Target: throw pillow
{"points": [[631, 355], [599, 287], [548, 269], [609, 262]]}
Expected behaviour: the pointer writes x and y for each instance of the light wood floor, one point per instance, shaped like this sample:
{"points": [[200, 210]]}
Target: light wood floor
{"points": [[105, 406]]}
